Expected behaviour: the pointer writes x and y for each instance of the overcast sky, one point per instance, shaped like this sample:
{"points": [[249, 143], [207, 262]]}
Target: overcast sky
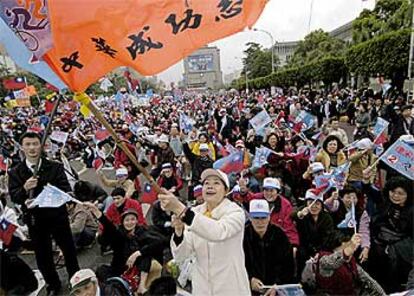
{"points": [[286, 20]]}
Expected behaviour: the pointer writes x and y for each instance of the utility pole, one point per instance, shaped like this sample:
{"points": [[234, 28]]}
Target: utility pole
{"points": [[410, 59]]}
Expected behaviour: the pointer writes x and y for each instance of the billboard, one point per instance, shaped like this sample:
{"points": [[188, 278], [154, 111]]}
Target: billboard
{"points": [[200, 63]]}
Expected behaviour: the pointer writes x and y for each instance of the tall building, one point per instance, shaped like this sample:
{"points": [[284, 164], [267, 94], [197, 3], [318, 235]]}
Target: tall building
{"points": [[202, 69]]}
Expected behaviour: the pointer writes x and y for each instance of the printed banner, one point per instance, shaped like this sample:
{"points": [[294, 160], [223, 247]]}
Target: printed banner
{"points": [[400, 157]]}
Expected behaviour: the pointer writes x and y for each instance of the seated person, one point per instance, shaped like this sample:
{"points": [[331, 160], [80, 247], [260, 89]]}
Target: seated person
{"points": [[268, 252], [134, 247], [122, 203], [169, 180], [337, 271], [82, 224]]}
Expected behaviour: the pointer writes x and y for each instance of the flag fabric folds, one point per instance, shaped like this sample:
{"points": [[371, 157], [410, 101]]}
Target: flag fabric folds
{"points": [[260, 120], [105, 35], [350, 220], [149, 195], [51, 197], [400, 157], [14, 83], [230, 164], [22, 57], [7, 230], [260, 157]]}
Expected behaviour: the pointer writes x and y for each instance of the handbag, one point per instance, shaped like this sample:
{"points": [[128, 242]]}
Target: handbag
{"points": [[132, 277]]}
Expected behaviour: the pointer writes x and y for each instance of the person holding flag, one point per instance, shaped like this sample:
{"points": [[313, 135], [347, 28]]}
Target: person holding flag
{"points": [[43, 223], [351, 197], [362, 158], [391, 253], [331, 154], [337, 272], [314, 227]]}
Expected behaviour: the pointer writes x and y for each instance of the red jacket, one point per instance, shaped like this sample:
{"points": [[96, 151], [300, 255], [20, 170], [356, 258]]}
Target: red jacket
{"points": [[282, 218], [114, 216], [121, 159]]}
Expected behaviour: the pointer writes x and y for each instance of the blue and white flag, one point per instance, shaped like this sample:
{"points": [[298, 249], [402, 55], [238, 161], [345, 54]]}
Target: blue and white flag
{"points": [[22, 57], [400, 157], [260, 120], [186, 123], [306, 119], [350, 220], [260, 158], [380, 126], [51, 197], [339, 175]]}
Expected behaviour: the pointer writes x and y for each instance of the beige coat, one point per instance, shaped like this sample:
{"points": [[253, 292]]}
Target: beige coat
{"points": [[218, 247]]}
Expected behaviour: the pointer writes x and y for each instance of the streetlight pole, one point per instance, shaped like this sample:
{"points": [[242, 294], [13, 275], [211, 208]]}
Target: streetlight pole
{"points": [[271, 48], [411, 54]]}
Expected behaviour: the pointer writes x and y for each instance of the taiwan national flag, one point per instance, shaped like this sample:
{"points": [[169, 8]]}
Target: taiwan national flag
{"points": [[97, 163], [6, 231], [3, 163], [101, 135], [14, 83], [230, 164], [149, 195]]}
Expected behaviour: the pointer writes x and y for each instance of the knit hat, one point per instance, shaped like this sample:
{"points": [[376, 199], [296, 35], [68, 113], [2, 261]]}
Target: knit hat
{"points": [[203, 147]]}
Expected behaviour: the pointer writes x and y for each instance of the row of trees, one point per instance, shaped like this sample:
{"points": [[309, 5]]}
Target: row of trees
{"points": [[381, 42]]}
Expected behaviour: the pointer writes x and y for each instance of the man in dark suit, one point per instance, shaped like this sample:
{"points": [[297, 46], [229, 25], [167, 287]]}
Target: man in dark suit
{"points": [[43, 223]]}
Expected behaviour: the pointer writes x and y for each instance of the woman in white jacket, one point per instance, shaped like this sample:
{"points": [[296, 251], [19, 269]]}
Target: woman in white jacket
{"points": [[214, 233]]}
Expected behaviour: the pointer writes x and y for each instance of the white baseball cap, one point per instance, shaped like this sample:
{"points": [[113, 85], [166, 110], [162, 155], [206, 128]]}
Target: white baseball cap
{"points": [[121, 172], [259, 208], [163, 139], [217, 173], [81, 278], [311, 194], [271, 183], [364, 143]]}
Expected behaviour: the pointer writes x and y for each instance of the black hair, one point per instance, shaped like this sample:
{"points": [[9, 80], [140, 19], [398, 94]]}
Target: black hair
{"points": [[334, 240], [332, 138], [163, 286], [118, 191], [31, 135], [401, 182]]}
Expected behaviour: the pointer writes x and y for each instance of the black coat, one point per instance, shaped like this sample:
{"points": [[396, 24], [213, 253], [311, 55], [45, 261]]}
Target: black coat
{"points": [[313, 235], [148, 242], [50, 172], [269, 259], [198, 164], [399, 128]]}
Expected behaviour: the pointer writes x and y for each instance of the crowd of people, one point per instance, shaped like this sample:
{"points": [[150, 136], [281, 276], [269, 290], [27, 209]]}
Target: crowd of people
{"points": [[249, 230]]}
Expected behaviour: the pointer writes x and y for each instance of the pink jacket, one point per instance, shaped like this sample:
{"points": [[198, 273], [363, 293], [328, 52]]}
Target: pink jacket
{"points": [[283, 219]]}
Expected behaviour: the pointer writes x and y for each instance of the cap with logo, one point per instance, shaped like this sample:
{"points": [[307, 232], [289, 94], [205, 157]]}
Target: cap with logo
{"points": [[259, 208]]}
